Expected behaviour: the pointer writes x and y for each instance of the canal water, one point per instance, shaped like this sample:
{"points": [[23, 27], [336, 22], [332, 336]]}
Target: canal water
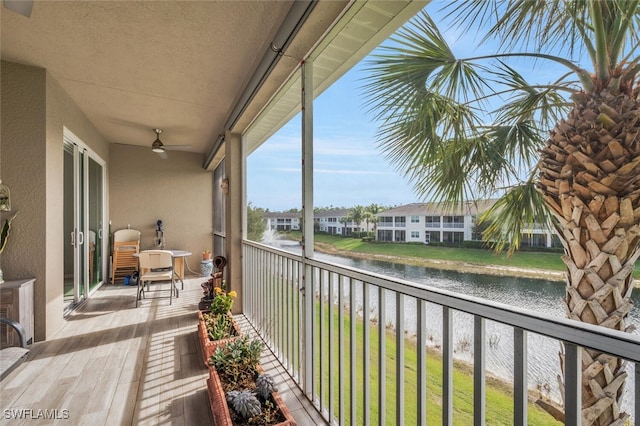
{"points": [[541, 296]]}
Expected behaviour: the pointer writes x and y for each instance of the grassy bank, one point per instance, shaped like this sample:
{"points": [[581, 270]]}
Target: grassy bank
{"points": [[499, 393], [533, 260], [532, 264]]}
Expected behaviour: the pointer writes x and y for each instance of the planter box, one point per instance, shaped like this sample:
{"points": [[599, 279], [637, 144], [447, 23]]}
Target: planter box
{"points": [[209, 346], [220, 409]]}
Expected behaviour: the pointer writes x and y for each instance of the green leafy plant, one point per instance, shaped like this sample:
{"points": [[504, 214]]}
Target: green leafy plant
{"points": [[248, 393], [238, 360], [265, 386], [218, 321], [245, 403], [4, 234], [222, 301], [219, 327]]}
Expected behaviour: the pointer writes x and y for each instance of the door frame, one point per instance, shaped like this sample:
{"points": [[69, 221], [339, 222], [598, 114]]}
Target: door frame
{"points": [[79, 147]]}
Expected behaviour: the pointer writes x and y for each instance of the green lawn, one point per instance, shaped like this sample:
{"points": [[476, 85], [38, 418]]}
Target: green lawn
{"points": [[533, 260], [499, 395]]}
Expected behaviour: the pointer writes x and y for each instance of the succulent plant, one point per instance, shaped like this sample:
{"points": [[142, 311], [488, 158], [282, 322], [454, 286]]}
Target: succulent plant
{"points": [[265, 385], [244, 403]]}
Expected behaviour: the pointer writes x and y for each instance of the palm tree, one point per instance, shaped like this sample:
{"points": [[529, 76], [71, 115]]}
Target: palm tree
{"points": [[344, 220], [356, 215], [371, 216], [469, 128]]}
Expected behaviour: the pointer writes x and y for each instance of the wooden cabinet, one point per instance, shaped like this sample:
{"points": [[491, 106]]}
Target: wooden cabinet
{"points": [[16, 303]]}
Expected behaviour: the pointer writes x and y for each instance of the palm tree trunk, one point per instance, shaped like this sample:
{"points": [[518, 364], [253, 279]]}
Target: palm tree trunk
{"points": [[589, 177]]}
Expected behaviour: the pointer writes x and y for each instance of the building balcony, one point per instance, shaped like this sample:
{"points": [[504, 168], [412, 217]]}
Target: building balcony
{"points": [[143, 365]]}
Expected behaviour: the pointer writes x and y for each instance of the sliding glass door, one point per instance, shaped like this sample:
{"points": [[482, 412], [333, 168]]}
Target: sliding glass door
{"points": [[84, 264]]}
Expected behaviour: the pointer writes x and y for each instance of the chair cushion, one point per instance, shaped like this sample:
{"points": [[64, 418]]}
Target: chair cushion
{"points": [[156, 275]]}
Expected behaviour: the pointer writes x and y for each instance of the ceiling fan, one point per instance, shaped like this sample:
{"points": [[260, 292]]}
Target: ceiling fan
{"points": [[159, 148]]}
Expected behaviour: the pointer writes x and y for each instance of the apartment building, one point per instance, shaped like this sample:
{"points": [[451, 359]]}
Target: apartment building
{"points": [[431, 222], [330, 221], [333, 222], [283, 221]]}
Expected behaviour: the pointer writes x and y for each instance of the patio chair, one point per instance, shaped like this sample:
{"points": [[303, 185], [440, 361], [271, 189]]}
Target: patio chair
{"points": [[126, 244], [12, 356], [155, 265]]}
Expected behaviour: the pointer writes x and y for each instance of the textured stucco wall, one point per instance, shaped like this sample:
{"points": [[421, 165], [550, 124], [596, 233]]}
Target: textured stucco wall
{"points": [[145, 188], [61, 112], [34, 111], [23, 159]]}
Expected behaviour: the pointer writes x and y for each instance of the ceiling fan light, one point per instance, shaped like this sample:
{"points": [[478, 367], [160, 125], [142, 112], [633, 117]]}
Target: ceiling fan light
{"points": [[157, 149]]}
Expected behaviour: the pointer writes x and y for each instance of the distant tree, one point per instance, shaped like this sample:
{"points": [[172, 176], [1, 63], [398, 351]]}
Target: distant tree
{"points": [[356, 215], [344, 220], [256, 225], [370, 215], [480, 228]]}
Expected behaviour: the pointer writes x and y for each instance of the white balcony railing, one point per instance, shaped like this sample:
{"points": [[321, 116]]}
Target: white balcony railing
{"points": [[333, 362]]}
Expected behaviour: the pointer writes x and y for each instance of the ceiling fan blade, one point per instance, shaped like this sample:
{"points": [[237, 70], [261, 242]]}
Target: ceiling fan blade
{"points": [[177, 147], [163, 155], [23, 7]]}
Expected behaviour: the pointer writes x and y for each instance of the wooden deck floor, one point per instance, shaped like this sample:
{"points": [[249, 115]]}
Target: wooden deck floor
{"points": [[115, 364]]}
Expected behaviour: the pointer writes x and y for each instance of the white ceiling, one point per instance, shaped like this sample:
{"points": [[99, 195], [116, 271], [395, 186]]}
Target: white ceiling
{"points": [[132, 66]]}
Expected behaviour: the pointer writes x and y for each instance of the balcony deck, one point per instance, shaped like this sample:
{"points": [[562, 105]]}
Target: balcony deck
{"points": [[112, 363]]}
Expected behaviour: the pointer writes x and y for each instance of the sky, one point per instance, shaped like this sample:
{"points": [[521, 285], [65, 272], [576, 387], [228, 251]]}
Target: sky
{"points": [[349, 169]]}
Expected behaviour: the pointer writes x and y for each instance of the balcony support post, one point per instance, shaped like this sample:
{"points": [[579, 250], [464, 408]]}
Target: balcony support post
{"points": [[234, 170], [307, 221]]}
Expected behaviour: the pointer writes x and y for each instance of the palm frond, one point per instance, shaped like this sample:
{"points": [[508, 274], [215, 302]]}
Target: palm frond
{"points": [[516, 212], [547, 25], [542, 104]]}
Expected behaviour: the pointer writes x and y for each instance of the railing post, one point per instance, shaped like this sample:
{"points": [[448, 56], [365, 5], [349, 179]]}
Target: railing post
{"points": [[422, 361], [399, 359], [382, 357], [572, 384], [637, 393], [447, 366], [479, 396], [366, 354], [520, 403]]}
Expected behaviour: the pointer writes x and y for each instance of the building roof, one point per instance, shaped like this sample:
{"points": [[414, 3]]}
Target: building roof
{"points": [[282, 215], [418, 209], [332, 213]]}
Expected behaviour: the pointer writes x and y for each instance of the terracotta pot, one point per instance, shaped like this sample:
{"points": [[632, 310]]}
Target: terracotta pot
{"points": [[220, 409], [209, 346]]}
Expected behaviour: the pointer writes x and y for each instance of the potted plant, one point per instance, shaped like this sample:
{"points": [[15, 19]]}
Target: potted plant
{"points": [[4, 237], [240, 392], [206, 255], [216, 326]]}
